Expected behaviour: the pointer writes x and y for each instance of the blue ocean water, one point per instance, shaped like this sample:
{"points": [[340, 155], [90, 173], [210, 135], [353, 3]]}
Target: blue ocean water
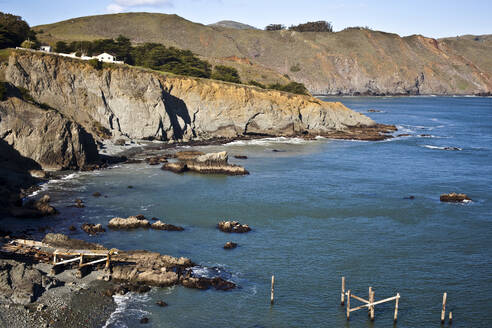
{"points": [[319, 210]]}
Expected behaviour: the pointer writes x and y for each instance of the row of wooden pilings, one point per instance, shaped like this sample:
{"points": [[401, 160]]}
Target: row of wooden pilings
{"points": [[370, 302]]}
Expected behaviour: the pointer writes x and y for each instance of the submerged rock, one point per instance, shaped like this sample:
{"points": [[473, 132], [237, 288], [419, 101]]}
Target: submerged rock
{"points": [[233, 226], [240, 157], [79, 203], [230, 245], [159, 225], [161, 303], [92, 229], [156, 160], [97, 194], [32, 208], [206, 283], [455, 198], [177, 167], [131, 222]]}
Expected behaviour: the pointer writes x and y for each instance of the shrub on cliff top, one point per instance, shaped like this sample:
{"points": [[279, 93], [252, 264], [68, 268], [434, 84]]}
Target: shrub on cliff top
{"points": [[226, 73], [292, 87], [320, 26], [257, 84], [95, 63]]}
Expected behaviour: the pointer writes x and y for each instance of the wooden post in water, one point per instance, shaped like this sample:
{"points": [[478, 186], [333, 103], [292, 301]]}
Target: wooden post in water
{"points": [[348, 304], [396, 307], [443, 312], [272, 291], [54, 258], [450, 317], [371, 299], [81, 260], [342, 294]]}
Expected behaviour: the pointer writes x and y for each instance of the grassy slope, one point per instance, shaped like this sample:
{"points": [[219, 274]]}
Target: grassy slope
{"points": [[322, 57]]}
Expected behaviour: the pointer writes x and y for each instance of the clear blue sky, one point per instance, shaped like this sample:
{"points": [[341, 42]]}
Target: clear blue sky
{"points": [[433, 18]]}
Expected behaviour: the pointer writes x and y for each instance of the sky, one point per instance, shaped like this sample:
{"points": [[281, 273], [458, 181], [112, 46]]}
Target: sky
{"points": [[432, 18]]}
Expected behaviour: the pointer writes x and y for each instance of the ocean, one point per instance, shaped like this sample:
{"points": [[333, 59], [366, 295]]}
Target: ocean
{"points": [[319, 210]]}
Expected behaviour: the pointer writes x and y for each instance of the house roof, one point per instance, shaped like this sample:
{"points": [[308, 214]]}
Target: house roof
{"points": [[106, 53]]}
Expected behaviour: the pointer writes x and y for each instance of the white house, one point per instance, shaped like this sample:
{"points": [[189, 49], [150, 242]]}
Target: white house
{"points": [[107, 58], [45, 48]]}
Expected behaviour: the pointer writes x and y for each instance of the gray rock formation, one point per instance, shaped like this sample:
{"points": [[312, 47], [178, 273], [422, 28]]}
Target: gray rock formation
{"points": [[138, 103], [45, 136], [20, 283]]}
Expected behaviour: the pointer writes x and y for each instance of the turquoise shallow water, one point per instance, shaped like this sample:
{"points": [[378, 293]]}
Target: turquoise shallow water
{"points": [[319, 210]]}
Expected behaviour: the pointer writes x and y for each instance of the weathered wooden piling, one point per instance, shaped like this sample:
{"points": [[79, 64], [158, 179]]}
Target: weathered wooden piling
{"points": [[396, 307], [443, 311], [342, 294], [348, 304], [272, 291], [371, 308], [450, 317]]}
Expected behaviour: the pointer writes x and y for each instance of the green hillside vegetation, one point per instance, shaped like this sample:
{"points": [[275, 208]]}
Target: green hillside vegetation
{"points": [[352, 61], [161, 58], [14, 30]]}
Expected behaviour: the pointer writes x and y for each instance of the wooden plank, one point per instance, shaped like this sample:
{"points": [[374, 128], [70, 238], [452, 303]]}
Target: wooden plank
{"points": [[67, 261], [93, 262], [359, 298], [86, 253], [375, 303]]}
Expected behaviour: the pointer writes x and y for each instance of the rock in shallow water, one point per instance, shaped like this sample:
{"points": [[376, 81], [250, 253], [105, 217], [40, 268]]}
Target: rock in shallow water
{"points": [[455, 198], [33, 208], [211, 163], [131, 222], [92, 229], [159, 225], [230, 245], [233, 226]]}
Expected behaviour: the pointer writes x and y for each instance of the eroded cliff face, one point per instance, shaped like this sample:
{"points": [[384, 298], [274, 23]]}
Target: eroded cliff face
{"points": [[44, 136], [139, 103]]}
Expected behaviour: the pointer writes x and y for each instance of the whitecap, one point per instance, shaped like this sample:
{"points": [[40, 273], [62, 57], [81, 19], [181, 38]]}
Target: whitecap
{"points": [[268, 141], [442, 148], [128, 305]]}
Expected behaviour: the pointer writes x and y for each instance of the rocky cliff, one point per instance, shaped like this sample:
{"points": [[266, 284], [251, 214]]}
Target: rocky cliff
{"points": [[353, 61], [45, 136], [140, 103]]}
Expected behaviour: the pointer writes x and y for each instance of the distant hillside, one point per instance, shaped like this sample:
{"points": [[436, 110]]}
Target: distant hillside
{"points": [[353, 61], [233, 24]]}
